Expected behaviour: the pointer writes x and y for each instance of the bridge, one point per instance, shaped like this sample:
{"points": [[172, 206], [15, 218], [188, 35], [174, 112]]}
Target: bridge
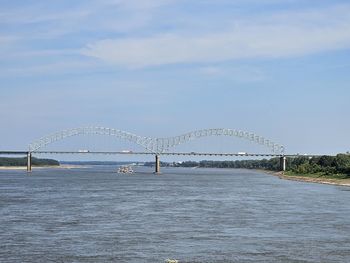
{"points": [[152, 146]]}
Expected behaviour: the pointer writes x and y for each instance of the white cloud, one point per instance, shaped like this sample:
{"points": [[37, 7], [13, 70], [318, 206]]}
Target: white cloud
{"points": [[278, 36]]}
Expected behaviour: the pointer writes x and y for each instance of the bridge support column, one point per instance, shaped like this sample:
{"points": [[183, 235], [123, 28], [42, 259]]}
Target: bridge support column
{"points": [[157, 165], [29, 162], [282, 163]]}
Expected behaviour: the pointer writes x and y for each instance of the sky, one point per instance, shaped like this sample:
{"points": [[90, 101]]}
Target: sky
{"points": [[160, 68]]}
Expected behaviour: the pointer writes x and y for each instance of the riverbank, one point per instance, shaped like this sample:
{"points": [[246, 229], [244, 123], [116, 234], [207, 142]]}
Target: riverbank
{"points": [[62, 166], [301, 178]]}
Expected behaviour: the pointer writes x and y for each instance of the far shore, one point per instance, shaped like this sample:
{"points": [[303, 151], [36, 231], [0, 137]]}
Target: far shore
{"points": [[62, 166], [300, 178]]}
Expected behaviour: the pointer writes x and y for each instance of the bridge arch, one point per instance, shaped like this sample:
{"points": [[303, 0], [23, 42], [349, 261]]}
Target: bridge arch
{"points": [[156, 145], [57, 136], [166, 143]]}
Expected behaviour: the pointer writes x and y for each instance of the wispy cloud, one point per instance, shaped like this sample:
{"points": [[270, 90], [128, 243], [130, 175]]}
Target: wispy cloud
{"points": [[54, 68], [236, 74], [7, 40], [44, 20], [135, 34], [137, 4], [284, 35]]}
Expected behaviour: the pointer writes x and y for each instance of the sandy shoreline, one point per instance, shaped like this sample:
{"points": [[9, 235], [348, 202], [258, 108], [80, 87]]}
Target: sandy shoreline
{"points": [[340, 182]]}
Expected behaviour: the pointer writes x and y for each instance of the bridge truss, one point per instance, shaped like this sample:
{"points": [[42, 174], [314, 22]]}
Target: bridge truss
{"points": [[156, 146]]}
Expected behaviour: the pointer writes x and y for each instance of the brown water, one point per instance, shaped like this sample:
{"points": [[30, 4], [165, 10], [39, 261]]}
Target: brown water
{"points": [[193, 215]]}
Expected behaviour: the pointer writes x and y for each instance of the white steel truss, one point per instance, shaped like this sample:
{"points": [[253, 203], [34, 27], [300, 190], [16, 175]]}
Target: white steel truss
{"points": [[156, 145]]}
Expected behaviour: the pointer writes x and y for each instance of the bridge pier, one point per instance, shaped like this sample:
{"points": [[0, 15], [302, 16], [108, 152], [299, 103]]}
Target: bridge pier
{"points": [[283, 163], [157, 165], [29, 162]]}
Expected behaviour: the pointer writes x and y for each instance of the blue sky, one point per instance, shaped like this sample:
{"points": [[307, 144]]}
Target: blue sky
{"points": [[279, 68]]}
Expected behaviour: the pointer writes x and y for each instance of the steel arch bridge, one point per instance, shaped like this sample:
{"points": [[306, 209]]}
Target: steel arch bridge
{"points": [[156, 145]]}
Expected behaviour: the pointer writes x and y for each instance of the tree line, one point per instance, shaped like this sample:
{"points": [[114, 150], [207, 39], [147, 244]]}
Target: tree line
{"points": [[323, 165], [327, 165], [7, 161]]}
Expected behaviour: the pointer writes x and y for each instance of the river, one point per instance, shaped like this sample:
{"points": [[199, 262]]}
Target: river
{"points": [[192, 215]]}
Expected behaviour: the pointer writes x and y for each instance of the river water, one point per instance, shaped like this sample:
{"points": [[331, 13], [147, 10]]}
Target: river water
{"points": [[192, 215]]}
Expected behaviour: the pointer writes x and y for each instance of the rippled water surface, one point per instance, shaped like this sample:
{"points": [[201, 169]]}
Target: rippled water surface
{"points": [[193, 215]]}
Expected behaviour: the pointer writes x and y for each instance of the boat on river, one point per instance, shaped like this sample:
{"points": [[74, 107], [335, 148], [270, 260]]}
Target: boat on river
{"points": [[125, 170]]}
